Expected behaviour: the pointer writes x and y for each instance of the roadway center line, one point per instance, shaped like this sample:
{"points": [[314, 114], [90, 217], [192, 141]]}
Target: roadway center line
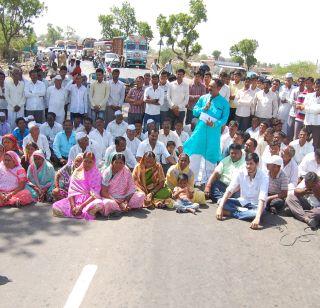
{"points": [[80, 288]]}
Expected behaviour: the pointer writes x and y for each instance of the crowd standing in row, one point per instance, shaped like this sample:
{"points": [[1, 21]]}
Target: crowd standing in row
{"points": [[249, 143]]}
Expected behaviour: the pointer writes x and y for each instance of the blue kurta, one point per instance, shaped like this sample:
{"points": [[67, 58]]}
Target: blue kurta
{"points": [[205, 140]]}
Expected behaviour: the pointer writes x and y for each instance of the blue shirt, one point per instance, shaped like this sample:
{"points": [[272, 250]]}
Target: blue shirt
{"points": [[62, 145], [17, 133]]}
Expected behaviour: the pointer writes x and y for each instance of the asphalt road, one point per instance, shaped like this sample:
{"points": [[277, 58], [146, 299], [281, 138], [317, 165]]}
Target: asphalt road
{"points": [[155, 258]]}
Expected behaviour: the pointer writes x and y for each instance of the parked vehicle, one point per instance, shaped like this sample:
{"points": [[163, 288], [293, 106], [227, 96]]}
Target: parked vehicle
{"points": [[88, 48], [111, 59]]}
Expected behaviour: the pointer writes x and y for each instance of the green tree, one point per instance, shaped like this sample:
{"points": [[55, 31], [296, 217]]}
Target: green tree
{"points": [[298, 69], [16, 18], [144, 29], [125, 18], [70, 34], [107, 23], [244, 52], [216, 54], [180, 30], [53, 34], [166, 55]]}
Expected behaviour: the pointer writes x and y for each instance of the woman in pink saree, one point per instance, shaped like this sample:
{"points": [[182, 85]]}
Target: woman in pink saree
{"points": [[83, 201], [13, 179], [118, 190]]}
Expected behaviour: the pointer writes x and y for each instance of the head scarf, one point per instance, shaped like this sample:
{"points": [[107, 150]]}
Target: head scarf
{"points": [[173, 173], [12, 139], [15, 157], [80, 135]]}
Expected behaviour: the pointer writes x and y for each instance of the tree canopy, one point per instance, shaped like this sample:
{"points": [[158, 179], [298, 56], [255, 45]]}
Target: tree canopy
{"points": [[243, 52], [298, 69], [144, 29], [180, 30], [16, 18], [216, 54]]}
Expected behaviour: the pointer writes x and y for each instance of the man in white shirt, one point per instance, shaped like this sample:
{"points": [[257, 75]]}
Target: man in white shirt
{"points": [[154, 98], [119, 146], [265, 103], [50, 128], [98, 95], [56, 98], [184, 136], [304, 204], [132, 141], [285, 94], [178, 97], [3, 102], [84, 145], [290, 167], [35, 92], [301, 145], [39, 139], [14, 93], [103, 138], [154, 67], [157, 147], [225, 90], [311, 162], [253, 185], [71, 66], [243, 102], [311, 106], [116, 96], [168, 67], [118, 126], [164, 85], [253, 130], [166, 134]]}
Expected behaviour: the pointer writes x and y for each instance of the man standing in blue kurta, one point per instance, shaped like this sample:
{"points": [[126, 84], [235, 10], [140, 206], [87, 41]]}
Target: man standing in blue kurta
{"points": [[203, 146]]}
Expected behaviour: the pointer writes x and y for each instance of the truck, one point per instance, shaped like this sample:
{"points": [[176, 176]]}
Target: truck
{"points": [[132, 50], [60, 44], [71, 47], [88, 48]]}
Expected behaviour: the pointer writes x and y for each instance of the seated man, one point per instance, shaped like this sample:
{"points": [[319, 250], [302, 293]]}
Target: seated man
{"points": [[39, 139], [118, 126], [311, 162], [63, 142], [224, 172], [103, 138], [84, 145], [157, 147], [304, 204], [4, 125], [254, 129], [87, 125], [272, 149], [238, 138], [77, 123], [21, 130], [278, 185], [132, 141], [119, 147], [226, 138], [166, 134], [290, 167], [50, 128], [253, 185], [265, 141], [184, 136], [250, 146], [139, 133]]}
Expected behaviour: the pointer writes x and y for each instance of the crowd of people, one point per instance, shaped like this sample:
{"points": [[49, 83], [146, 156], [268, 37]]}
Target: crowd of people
{"points": [[249, 144]]}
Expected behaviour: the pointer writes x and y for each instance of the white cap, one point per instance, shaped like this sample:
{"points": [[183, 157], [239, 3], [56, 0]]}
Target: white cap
{"points": [[32, 124], [117, 113], [289, 75], [58, 77], [2, 114], [131, 127], [275, 160], [30, 118], [80, 135], [150, 121]]}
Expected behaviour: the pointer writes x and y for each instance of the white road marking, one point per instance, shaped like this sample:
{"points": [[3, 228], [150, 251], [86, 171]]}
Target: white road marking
{"points": [[80, 288]]}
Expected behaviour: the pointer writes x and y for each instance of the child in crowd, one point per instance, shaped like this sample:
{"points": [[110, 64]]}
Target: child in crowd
{"points": [[182, 194], [171, 147]]}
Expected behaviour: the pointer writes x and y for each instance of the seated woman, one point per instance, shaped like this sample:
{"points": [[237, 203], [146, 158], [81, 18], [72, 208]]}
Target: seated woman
{"points": [[149, 178], [41, 176], [183, 167], [31, 147], [62, 179], [83, 201], [118, 189], [10, 143], [13, 179]]}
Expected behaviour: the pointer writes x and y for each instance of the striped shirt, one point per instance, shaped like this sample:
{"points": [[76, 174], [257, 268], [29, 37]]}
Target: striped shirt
{"points": [[278, 184], [195, 91], [137, 95]]}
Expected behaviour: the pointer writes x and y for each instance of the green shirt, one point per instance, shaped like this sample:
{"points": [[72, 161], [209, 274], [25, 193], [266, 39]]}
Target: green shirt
{"points": [[227, 168]]}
